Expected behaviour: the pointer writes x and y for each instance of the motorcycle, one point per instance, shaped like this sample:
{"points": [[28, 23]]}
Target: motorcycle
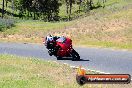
{"points": [[61, 48]]}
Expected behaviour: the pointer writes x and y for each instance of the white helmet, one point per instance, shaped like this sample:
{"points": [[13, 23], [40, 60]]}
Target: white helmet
{"points": [[49, 38]]}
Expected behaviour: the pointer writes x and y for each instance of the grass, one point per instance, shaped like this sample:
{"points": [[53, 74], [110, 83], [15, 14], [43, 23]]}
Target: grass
{"points": [[40, 25], [35, 28], [22, 72], [6, 24], [107, 44]]}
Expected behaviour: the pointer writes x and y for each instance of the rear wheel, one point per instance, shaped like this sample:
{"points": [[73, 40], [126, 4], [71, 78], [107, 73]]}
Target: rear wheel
{"points": [[75, 55]]}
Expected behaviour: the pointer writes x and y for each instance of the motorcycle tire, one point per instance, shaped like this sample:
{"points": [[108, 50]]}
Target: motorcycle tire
{"points": [[75, 55]]}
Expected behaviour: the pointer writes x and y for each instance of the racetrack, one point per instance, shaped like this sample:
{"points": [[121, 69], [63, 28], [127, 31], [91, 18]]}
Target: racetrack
{"points": [[104, 60]]}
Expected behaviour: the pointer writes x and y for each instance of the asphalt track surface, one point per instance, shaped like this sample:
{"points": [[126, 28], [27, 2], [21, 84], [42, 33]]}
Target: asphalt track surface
{"points": [[104, 60]]}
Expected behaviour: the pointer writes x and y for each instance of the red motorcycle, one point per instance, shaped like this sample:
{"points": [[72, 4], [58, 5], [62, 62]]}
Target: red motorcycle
{"points": [[62, 47]]}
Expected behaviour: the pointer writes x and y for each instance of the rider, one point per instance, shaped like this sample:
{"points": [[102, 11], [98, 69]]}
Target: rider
{"points": [[51, 44]]}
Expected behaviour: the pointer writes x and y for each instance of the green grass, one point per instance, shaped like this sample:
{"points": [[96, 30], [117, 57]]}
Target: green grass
{"points": [[16, 72], [22, 72], [6, 24], [106, 44], [31, 26], [40, 25]]}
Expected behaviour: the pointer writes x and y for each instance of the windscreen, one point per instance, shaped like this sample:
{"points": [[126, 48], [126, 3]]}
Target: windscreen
{"points": [[61, 39]]}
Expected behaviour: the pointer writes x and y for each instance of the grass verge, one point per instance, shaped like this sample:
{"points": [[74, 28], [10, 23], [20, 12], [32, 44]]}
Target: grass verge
{"points": [[23, 72]]}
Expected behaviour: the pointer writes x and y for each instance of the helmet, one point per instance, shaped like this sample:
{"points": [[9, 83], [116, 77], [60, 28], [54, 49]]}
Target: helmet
{"points": [[49, 38]]}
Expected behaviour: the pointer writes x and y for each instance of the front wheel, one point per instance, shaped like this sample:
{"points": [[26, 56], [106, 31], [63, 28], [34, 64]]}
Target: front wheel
{"points": [[75, 55]]}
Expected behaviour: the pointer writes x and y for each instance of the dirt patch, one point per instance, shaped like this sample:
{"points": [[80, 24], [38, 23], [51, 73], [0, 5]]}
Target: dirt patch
{"points": [[116, 25]]}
